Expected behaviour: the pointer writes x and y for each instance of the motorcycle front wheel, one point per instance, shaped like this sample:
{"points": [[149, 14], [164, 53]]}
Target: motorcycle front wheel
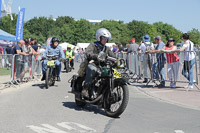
{"points": [[117, 101], [67, 67], [47, 78]]}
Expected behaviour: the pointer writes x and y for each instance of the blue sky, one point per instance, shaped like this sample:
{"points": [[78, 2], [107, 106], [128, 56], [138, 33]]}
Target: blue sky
{"points": [[182, 14]]}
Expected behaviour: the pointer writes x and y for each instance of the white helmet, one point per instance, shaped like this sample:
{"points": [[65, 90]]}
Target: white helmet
{"points": [[103, 32]]}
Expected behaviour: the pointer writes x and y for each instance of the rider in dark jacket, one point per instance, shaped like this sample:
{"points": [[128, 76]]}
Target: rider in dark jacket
{"points": [[92, 52]]}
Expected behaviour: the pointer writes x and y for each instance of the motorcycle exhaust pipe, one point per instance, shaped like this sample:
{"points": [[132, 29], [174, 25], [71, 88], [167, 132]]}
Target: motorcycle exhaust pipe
{"points": [[90, 102]]}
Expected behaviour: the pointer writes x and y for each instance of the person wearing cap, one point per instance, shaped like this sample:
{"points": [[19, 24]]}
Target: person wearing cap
{"points": [[144, 48], [158, 66], [172, 62], [189, 60], [132, 48]]}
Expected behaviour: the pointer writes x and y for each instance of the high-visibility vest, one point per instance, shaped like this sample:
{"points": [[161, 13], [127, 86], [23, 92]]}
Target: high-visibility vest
{"points": [[69, 54]]}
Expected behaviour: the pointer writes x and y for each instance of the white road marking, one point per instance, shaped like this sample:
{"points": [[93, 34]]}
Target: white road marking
{"points": [[46, 129], [70, 126], [66, 97], [178, 131]]}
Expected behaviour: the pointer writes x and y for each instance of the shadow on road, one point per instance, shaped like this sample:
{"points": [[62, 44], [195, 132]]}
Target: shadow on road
{"points": [[88, 108], [42, 86]]}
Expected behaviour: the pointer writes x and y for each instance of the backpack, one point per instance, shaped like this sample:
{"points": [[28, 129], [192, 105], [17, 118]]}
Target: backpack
{"points": [[148, 46]]}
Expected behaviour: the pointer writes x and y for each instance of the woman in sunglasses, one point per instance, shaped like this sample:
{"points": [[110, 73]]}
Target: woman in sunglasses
{"points": [[172, 62]]}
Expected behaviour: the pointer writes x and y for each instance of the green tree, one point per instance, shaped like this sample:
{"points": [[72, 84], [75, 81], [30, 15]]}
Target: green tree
{"points": [[137, 29], [9, 25], [60, 21], [167, 31], [117, 28], [194, 36], [83, 32], [40, 26]]}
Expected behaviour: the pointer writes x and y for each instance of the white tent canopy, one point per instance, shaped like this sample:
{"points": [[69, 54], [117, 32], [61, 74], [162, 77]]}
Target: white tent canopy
{"points": [[65, 44], [110, 44], [83, 45]]}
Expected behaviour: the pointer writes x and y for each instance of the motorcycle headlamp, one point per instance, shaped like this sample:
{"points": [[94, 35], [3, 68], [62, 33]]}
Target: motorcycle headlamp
{"points": [[120, 63]]}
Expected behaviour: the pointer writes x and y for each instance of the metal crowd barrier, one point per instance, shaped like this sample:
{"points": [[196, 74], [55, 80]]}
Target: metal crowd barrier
{"points": [[5, 68], [148, 66], [79, 57], [17, 68]]}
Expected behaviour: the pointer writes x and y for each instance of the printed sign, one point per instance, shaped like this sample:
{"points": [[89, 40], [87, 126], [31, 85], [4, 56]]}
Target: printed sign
{"points": [[20, 25]]}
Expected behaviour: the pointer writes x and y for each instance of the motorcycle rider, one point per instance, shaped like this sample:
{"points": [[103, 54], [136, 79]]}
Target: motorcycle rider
{"points": [[70, 55], [92, 62], [53, 49]]}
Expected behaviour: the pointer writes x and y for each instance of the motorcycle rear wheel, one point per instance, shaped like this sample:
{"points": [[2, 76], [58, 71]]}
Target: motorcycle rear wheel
{"points": [[115, 109], [79, 103]]}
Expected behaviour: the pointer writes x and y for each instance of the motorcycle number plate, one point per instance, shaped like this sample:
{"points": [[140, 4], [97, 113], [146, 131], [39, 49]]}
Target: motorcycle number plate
{"points": [[50, 63], [117, 74]]}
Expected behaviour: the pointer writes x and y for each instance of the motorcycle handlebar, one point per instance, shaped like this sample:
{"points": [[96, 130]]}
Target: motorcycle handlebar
{"points": [[52, 58], [111, 59]]}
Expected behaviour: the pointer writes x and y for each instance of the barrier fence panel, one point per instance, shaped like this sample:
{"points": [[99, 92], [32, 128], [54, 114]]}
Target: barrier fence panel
{"points": [[5, 68], [26, 67], [166, 67], [133, 61], [198, 63], [36, 66]]}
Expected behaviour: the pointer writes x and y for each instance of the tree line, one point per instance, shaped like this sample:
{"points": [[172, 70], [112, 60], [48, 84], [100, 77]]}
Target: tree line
{"points": [[67, 29]]}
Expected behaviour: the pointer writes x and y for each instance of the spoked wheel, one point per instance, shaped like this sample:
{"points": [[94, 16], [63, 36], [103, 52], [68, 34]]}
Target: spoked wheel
{"points": [[67, 66], [117, 101], [47, 78]]}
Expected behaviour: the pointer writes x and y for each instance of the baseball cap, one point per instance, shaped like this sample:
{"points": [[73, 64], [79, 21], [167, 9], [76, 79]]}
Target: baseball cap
{"points": [[32, 39], [133, 39], [171, 39], [157, 38]]}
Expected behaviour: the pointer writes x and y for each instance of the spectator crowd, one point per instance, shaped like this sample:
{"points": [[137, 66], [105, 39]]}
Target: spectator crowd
{"points": [[152, 58]]}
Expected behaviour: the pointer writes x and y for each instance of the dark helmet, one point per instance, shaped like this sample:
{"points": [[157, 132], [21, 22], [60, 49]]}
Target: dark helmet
{"points": [[54, 39]]}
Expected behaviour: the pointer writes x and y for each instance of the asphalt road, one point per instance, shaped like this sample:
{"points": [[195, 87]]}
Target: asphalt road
{"points": [[33, 109]]}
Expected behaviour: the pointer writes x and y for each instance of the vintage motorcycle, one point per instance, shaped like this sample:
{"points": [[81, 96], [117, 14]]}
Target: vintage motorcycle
{"points": [[109, 89], [68, 64], [51, 71]]}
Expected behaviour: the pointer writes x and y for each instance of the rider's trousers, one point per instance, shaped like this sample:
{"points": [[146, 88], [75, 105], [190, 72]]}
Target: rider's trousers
{"points": [[57, 63]]}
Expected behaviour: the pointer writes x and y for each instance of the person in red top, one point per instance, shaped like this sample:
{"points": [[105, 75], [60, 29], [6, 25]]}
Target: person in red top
{"points": [[172, 62], [1, 50], [1, 57]]}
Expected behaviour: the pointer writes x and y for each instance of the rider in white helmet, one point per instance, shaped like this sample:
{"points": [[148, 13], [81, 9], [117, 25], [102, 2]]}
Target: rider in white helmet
{"points": [[92, 52]]}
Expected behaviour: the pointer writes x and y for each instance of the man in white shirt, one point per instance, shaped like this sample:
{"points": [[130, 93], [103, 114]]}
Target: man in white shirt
{"points": [[189, 59], [144, 48]]}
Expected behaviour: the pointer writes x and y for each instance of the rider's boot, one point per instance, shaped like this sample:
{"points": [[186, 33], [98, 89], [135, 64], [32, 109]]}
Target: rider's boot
{"points": [[58, 78], [43, 77], [84, 92]]}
